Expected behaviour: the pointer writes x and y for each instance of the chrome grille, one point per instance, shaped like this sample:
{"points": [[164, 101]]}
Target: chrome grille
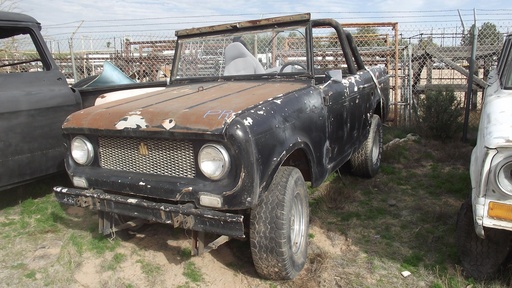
{"points": [[152, 156]]}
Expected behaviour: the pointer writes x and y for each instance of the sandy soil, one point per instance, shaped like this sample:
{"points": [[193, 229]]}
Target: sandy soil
{"points": [[154, 258]]}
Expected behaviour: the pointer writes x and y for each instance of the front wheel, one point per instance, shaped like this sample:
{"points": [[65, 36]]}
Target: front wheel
{"points": [[279, 227], [366, 161], [481, 258]]}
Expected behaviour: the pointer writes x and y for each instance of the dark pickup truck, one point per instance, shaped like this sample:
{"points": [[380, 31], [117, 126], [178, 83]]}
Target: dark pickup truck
{"points": [[35, 99], [253, 110]]}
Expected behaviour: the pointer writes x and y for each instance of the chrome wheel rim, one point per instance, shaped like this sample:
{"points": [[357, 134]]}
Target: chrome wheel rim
{"points": [[297, 224], [376, 148]]}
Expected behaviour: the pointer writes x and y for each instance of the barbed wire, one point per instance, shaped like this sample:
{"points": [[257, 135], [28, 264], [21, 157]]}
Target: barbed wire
{"points": [[416, 17]]}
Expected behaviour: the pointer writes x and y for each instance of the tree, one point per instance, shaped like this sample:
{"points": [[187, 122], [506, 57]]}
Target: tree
{"points": [[366, 31], [368, 37], [488, 34]]}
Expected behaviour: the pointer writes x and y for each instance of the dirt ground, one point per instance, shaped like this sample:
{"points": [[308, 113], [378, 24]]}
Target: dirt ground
{"points": [[228, 266]]}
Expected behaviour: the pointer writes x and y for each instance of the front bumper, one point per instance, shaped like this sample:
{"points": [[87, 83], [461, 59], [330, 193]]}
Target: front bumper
{"points": [[182, 216]]}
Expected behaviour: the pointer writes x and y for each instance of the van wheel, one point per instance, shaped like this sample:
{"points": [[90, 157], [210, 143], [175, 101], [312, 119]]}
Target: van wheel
{"points": [[366, 161], [481, 258], [279, 227]]}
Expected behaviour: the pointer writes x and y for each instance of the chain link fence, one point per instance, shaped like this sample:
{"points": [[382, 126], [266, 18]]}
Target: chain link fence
{"points": [[439, 59], [419, 58]]}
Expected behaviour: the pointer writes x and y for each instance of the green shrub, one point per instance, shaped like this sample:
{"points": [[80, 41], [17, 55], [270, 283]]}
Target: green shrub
{"points": [[440, 115]]}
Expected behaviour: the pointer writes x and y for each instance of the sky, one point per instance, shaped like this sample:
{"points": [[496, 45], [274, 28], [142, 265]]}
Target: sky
{"points": [[60, 18]]}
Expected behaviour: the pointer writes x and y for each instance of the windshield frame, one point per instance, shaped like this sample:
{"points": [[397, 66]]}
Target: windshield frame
{"points": [[304, 26]]}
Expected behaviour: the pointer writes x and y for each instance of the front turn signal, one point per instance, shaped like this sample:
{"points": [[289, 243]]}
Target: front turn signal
{"points": [[500, 211]]}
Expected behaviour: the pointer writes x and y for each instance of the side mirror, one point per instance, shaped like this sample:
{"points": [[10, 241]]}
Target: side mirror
{"points": [[335, 75]]}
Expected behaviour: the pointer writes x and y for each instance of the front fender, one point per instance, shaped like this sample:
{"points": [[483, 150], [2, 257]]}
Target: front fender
{"points": [[247, 190], [302, 162], [481, 160], [294, 124]]}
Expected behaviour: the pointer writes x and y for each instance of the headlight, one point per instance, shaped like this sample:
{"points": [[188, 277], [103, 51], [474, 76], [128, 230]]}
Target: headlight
{"points": [[213, 161], [504, 176], [81, 150]]}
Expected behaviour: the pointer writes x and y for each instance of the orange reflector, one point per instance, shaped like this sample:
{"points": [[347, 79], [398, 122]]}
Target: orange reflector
{"points": [[500, 211]]}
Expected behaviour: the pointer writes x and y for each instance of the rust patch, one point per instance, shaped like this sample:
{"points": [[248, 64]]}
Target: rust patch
{"points": [[203, 107], [245, 24]]}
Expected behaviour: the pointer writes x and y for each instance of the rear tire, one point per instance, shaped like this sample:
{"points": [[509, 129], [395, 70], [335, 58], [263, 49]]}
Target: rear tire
{"points": [[279, 227], [481, 258], [366, 161]]}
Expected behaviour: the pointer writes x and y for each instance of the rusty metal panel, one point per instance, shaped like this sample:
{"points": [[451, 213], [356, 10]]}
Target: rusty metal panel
{"points": [[245, 24], [199, 107]]}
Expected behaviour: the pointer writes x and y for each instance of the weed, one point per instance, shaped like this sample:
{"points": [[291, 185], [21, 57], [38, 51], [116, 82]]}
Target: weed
{"points": [[185, 254], [395, 154], [149, 269], [318, 261], [350, 215], [116, 260], [388, 170], [440, 114], [32, 217], [30, 275], [100, 244], [413, 260], [192, 273], [77, 242], [97, 244], [19, 265]]}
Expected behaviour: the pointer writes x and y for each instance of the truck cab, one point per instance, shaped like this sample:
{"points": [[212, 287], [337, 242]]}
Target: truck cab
{"points": [[35, 99]]}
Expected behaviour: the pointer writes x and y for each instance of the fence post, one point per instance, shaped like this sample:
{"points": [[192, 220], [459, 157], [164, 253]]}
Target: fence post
{"points": [[73, 65], [469, 92], [71, 51]]}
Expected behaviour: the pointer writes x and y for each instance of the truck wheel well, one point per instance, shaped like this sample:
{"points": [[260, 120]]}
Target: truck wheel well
{"points": [[299, 160], [378, 110]]}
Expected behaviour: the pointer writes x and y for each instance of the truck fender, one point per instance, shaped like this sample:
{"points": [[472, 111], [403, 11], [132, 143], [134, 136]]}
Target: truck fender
{"points": [[299, 155]]}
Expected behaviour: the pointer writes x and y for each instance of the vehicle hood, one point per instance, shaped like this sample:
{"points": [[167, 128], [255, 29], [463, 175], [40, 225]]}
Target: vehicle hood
{"points": [[199, 107]]}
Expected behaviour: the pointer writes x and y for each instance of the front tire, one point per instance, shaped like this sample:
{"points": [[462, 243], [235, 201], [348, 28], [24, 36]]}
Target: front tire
{"points": [[481, 258], [279, 227], [366, 161]]}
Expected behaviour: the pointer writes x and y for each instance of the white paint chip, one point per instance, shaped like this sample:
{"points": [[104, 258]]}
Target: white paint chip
{"points": [[132, 121], [248, 121]]}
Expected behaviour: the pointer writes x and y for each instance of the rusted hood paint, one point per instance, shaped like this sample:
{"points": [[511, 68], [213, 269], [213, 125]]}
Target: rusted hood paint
{"points": [[205, 107]]}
